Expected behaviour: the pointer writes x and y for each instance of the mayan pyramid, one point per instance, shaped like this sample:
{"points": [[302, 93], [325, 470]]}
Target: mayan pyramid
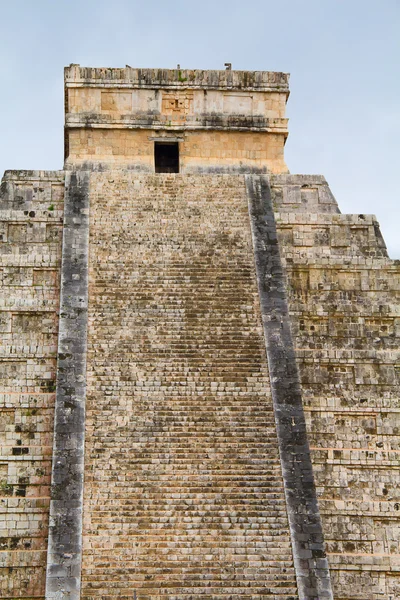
{"points": [[199, 360]]}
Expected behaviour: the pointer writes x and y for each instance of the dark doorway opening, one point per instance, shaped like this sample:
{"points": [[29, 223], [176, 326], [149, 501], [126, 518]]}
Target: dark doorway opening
{"points": [[166, 157]]}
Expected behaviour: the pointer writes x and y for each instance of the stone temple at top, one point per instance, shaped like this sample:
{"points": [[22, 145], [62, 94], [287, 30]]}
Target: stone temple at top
{"points": [[158, 120], [199, 369]]}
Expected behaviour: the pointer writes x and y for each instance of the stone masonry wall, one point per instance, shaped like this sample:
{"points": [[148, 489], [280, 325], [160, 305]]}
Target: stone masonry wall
{"points": [[344, 301], [183, 489], [218, 151], [31, 209]]}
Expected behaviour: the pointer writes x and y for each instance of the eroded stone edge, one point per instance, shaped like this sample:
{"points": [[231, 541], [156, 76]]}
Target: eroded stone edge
{"points": [[63, 577], [311, 564]]}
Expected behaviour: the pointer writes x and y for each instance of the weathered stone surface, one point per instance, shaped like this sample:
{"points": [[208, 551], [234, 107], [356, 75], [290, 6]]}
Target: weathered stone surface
{"points": [[65, 528], [302, 194], [31, 205]]}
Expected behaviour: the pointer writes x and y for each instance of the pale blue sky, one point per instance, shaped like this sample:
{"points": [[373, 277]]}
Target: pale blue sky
{"points": [[343, 56]]}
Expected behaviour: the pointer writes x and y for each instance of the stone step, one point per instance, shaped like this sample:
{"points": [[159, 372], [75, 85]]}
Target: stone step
{"points": [[183, 467]]}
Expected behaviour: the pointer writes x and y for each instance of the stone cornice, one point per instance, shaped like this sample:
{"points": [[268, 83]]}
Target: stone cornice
{"points": [[157, 122], [128, 77]]}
